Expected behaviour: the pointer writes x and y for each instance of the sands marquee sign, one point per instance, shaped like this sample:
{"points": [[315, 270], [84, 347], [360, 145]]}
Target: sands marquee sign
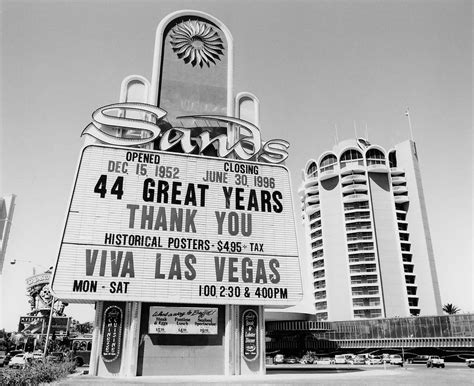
{"points": [[145, 225], [248, 144], [177, 198]]}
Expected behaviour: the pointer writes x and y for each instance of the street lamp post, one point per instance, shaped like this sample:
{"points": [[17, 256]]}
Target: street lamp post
{"points": [[49, 326]]}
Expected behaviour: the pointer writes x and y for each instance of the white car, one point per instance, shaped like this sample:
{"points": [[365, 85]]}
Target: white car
{"points": [[18, 361], [324, 361], [373, 360], [396, 360]]}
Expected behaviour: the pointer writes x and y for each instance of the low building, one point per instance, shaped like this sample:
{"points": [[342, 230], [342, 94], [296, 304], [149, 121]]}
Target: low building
{"points": [[449, 336]]}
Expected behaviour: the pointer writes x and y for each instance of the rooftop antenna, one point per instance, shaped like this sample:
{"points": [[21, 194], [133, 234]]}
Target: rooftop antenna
{"points": [[366, 131], [355, 129], [407, 114], [337, 135]]}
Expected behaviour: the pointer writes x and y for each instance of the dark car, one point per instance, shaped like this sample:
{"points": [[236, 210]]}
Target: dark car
{"points": [[291, 360], [423, 359], [10, 355], [56, 357]]}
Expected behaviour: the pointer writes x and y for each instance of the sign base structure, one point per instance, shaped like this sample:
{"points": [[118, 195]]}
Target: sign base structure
{"points": [[144, 339]]}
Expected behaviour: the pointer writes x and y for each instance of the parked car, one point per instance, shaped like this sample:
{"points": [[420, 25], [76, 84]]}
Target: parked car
{"points": [[18, 361], [419, 359], [470, 363], [278, 359], [324, 361], [360, 360], [344, 359], [435, 361], [374, 360], [10, 355], [291, 360], [396, 359]]}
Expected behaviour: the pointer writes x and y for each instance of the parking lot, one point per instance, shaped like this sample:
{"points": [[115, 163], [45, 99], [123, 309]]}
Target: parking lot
{"points": [[410, 374]]}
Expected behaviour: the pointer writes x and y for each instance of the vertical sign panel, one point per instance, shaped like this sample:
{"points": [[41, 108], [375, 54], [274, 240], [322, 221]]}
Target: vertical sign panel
{"points": [[112, 335], [249, 335]]}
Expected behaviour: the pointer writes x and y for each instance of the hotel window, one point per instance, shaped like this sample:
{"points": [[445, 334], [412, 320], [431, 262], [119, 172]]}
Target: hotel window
{"points": [[392, 159], [327, 163], [318, 264], [375, 157], [351, 157], [312, 170], [317, 254], [321, 305], [318, 274]]}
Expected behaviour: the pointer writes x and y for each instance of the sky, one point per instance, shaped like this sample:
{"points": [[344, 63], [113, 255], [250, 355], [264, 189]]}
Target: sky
{"points": [[312, 64]]}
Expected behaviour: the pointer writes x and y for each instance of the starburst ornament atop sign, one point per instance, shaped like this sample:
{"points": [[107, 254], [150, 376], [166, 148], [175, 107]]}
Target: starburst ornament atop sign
{"points": [[197, 43]]}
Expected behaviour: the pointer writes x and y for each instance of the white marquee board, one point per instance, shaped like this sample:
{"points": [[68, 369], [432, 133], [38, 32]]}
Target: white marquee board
{"points": [[155, 226]]}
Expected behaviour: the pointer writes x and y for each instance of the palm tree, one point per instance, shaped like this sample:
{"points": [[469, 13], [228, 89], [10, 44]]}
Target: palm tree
{"points": [[451, 309]]}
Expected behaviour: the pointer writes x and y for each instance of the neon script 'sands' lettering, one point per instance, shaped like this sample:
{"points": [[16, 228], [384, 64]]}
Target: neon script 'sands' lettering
{"points": [[249, 145]]}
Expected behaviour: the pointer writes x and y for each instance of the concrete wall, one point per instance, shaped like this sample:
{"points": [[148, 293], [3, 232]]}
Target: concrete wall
{"points": [[336, 262], [418, 226], [181, 354], [388, 246]]}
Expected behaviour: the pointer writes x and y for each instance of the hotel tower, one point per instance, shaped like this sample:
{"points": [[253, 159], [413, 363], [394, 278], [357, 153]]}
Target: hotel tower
{"points": [[367, 232]]}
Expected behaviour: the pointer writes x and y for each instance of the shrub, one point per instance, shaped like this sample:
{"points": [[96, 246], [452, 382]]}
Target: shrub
{"points": [[37, 372]]}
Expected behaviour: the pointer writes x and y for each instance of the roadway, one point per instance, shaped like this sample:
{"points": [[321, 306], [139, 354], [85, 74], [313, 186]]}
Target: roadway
{"points": [[452, 374]]}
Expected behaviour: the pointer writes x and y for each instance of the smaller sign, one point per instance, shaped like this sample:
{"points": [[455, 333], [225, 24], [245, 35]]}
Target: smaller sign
{"points": [[39, 325], [31, 324], [111, 343], [250, 335], [183, 320], [42, 278]]}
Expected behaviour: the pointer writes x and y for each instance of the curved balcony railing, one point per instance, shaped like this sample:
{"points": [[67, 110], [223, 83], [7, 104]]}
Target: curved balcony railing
{"points": [[355, 198], [352, 167], [354, 262], [311, 190], [327, 174], [312, 209], [358, 226], [310, 181], [356, 218], [397, 180], [399, 189], [401, 199], [355, 188], [314, 199], [358, 308], [353, 178], [375, 294], [397, 172], [364, 282], [377, 168]]}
